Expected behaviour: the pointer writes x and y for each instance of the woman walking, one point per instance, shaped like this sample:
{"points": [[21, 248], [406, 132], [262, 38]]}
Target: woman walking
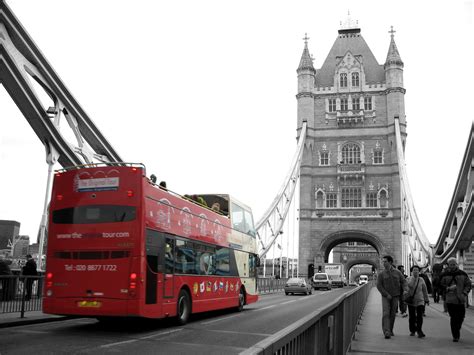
{"points": [[416, 299], [456, 285]]}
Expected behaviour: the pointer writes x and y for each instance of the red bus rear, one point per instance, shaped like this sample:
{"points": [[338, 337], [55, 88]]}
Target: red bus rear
{"points": [[118, 245]]}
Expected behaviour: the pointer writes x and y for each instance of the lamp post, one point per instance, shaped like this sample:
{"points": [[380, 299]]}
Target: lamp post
{"points": [[51, 158]]}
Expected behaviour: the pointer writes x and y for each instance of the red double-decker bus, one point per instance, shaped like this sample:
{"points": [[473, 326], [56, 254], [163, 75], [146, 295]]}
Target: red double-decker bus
{"points": [[119, 245]]}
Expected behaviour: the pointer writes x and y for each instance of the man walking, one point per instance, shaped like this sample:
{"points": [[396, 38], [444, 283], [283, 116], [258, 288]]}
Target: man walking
{"points": [[29, 270], [392, 285], [456, 285]]}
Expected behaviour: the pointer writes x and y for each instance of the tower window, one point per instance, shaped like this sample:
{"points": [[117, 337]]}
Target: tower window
{"points": [[368, 103], [378, 157], [343, 80], [355, 79], [355, 104], [344, 105], [324, 158], [331, 200], [350, 154], [351, 197], [371, 199], [332, 105]]}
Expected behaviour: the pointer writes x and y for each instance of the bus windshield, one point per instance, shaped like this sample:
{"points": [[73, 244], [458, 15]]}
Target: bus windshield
{"points": [[242, 220]]}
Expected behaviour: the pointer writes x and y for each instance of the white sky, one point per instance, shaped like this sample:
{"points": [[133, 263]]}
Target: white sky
{"points": [[203, 92]]}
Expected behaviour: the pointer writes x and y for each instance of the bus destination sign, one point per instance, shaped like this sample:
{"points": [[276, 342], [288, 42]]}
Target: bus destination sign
{"points": [[99, 184]]}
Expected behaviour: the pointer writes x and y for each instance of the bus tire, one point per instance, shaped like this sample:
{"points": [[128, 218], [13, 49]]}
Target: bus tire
{"points": [[240, 307], [183, 307]]}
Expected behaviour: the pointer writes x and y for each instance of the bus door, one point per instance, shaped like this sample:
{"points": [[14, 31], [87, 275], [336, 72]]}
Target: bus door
{"points": [[167, 252], [152, 266]]}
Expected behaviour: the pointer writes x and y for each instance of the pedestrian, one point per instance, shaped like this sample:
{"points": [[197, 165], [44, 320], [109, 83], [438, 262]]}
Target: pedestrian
{"points": [[429, 288], [416, 299], [5, 273], [443, 293], [456, 285], [390, 283], [437, 269], [29, 270], [402, 306]]}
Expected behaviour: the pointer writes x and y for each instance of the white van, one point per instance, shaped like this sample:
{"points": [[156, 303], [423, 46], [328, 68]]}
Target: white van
{"points": [[363, 279], [322, 280]]}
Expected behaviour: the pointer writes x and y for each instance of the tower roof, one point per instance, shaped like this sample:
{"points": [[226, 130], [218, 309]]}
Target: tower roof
{"points": [[393, 57], [350, 39], [306, 61]]}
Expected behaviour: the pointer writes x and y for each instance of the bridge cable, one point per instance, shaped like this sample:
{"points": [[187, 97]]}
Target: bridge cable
{"points": [[278, 209]]}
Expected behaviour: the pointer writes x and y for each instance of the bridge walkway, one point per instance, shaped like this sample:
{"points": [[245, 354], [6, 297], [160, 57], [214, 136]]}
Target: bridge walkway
{"points": [[369, 338]]}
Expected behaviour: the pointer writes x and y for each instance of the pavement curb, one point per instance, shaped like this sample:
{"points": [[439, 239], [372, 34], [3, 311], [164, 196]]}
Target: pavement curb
{"points": [[28, 321]]}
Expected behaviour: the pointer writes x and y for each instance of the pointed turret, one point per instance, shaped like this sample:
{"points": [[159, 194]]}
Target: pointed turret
{"points": [[306, 71], [306, 62], [393, 65], [306, 75], [393, 57], [394, 82]]}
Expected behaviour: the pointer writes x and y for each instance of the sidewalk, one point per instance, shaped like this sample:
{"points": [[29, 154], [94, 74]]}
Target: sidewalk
{"points": [[33, 317], [369, 338]]}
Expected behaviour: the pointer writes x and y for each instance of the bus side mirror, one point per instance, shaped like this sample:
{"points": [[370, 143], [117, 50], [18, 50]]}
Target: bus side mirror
{"points": [[257, 260]]}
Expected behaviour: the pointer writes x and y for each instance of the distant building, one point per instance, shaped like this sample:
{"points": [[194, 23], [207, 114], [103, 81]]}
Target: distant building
{"points": [[34, 248], [8, 231], [21, 245]]}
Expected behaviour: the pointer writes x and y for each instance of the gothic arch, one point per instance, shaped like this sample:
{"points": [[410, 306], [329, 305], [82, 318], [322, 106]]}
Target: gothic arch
{"points": [[352, 263], [334, 239]]}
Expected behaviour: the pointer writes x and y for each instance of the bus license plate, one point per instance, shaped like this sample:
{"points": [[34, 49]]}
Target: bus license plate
{"points": [[89, 304]]}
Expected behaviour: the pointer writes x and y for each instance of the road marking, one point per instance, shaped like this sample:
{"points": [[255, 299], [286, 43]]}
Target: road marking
{"points": [[119, 343], [142, 338], [288, 302], [261, 309], [162, 333], [234, 332], [218, 320]]}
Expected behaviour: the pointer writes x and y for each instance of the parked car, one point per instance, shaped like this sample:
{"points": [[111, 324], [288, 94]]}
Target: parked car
{"points": [[321, 280], [297, 285], [363, 279]]}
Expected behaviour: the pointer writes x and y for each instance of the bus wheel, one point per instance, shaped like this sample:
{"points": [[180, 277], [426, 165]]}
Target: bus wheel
{"points": [[240, 307], [184, 307]]}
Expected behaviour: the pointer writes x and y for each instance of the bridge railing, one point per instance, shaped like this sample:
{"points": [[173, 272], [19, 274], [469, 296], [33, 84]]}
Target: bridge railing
{"points": [[15, 296], [267, 284], [327, 330]]}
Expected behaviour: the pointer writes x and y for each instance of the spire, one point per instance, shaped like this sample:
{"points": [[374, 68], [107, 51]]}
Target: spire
{"points": [[306, 61], [349, 23], [393, 57]]}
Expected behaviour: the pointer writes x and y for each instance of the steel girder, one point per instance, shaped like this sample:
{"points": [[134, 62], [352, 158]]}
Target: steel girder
{"points": [[458, 227], [21, 62], [411, 226]]}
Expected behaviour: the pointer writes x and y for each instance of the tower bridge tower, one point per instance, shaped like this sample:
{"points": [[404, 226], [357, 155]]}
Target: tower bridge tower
{"points": [[350, 183]]}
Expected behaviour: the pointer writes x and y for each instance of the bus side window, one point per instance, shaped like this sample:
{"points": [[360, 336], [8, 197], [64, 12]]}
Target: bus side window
{"points": [[169, 255]]}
